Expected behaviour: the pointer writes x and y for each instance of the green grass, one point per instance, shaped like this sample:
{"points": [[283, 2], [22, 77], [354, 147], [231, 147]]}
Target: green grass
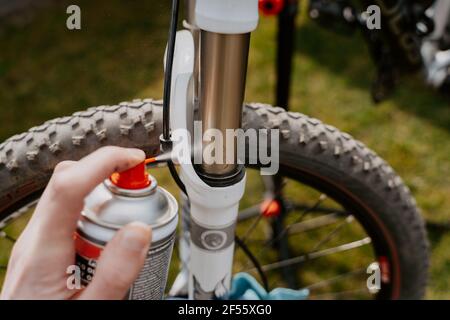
{"points": [[47, 71]]}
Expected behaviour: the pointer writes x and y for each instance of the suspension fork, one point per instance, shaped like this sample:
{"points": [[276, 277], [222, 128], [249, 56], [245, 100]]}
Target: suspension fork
{"points": [[222, 28]]}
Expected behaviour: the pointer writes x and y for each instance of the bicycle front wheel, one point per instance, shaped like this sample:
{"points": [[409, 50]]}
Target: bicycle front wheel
{"points": [[348, 204]]}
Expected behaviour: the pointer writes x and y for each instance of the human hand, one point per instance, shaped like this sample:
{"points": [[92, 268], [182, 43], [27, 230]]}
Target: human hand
{"points": [[45, 249]]}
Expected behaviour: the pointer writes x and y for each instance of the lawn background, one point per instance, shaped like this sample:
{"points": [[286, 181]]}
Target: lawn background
{"points": [[47, 71]]}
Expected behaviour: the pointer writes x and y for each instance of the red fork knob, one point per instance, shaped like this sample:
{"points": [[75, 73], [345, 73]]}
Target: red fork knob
{"points": [[270, 208], [271, 7]]}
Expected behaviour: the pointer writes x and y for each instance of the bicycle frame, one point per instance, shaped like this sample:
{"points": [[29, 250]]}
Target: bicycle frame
{"points": [[210, 65]]}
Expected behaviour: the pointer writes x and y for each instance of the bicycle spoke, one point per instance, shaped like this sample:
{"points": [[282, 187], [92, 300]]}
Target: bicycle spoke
{"points": [[249, 213], [333, 232], [296, 206], [314, 255], [326, 282], [321, 199], [269, 243], [251, 228], [314, 223], [304, 226], [255, 210]]}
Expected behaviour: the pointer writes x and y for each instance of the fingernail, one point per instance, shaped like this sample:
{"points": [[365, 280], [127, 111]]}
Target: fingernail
{"points": [[136, 236], [136, 153]]}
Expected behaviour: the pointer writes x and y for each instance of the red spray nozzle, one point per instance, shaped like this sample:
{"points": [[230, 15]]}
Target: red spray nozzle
{"points": [[133, 178]]}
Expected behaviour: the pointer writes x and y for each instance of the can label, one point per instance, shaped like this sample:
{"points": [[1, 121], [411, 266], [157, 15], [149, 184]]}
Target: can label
{"points": [[151, 281], [87, 254]]}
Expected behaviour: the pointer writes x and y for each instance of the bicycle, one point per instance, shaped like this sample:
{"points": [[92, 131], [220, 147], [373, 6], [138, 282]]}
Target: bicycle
{"points": [[355, 192], [413, 37]]}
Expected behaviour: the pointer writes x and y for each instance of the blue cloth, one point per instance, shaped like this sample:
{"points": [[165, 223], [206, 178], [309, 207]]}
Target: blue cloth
{"points": [[245, 287]]}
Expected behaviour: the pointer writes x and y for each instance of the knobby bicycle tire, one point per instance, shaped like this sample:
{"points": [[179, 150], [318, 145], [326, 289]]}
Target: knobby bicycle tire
{"points": [[314, 153]]}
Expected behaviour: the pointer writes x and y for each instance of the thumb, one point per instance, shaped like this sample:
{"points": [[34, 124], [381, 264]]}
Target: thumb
{"points": [[120, 263]]}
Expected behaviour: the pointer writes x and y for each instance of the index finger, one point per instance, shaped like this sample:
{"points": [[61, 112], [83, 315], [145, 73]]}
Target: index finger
{"points": [[96, 167], [62, 201]]}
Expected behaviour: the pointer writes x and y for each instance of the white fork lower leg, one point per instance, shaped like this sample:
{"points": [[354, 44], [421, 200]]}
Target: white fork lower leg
{"points": [[213, 209], [213, 220], [213, 212]]}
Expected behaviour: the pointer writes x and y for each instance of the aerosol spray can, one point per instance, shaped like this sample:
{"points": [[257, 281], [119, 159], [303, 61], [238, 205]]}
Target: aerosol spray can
{"points": [[125, 197]]}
